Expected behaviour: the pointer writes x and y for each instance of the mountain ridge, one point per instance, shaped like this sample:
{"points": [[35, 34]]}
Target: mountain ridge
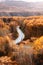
{"points": [[21, 7]]}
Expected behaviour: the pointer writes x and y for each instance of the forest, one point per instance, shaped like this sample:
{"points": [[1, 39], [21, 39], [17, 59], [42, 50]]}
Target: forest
{"points": [[28, 51]]}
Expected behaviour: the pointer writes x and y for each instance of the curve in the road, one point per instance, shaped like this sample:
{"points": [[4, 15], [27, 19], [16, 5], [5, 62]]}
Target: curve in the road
{"points": [[21, 35]]}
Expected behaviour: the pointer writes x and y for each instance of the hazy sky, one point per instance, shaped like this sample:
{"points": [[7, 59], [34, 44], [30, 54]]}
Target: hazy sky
{"points": [[33, 0], [27, 0]]}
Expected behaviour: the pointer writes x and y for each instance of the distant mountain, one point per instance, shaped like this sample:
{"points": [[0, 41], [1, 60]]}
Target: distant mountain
{"points": [[13, 6], [21, 7]]}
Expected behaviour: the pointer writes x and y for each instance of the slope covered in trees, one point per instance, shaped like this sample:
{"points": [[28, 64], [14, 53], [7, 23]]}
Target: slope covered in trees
{"points": [[26, 50]]}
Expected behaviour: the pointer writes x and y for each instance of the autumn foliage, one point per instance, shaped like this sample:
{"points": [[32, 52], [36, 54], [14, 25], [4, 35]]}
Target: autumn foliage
{"points": [[33, 29]]}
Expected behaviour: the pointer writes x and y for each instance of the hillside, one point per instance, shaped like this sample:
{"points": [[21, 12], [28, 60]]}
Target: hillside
{"points": [[27, 52]]}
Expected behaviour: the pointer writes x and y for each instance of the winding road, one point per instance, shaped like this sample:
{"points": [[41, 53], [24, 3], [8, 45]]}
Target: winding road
{"points": [[21, 35]]}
